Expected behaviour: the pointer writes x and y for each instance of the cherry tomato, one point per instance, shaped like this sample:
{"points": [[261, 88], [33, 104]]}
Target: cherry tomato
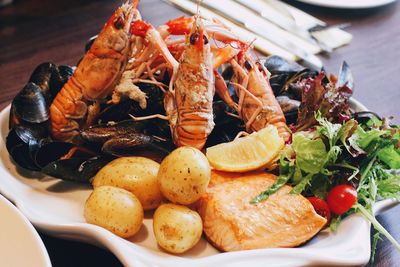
{"points": [[341, 198], [321, 207]]}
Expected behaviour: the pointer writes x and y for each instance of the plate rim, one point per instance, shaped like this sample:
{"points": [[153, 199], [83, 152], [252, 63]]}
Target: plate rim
{"points": [[348, 4], [23, 221]]}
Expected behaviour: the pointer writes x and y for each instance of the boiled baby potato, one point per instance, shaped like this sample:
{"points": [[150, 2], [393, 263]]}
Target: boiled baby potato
{"points": [[184, 175], [176, 228], [114, 209], [135, 174]]}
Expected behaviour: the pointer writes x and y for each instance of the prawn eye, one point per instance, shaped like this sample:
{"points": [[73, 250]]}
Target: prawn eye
{"points": [[194, 37], [205, 39], [247, 65], [119, 22]]}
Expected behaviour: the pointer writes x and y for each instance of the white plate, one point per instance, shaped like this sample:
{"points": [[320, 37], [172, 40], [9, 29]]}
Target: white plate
{"points": [[348, 4], [56, 207], [20, 244]]}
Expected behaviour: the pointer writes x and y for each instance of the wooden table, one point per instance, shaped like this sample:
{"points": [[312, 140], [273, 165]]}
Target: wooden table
{"points": [[33, 31]]}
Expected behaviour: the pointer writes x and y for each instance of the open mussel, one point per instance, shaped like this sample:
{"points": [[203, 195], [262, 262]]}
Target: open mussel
{"points": [[122, 110], [285, 74], [69, 161], [128, 138], [29, 114]]}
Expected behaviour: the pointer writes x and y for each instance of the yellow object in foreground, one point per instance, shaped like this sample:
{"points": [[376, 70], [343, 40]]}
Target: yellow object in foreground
{"points": [[255, 151]]}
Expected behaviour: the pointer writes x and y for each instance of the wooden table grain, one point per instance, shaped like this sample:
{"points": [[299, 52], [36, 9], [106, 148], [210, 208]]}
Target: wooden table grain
{"points": [[34, 31]]}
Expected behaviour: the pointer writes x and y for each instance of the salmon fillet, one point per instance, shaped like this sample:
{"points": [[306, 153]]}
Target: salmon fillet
{"points": [[231, 223]]}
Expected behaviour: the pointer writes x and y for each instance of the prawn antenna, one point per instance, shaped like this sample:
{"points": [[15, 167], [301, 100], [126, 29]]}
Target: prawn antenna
{"points": [[198, 7]]}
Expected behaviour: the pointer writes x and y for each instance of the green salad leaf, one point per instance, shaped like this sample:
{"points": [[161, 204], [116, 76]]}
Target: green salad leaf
{"points": [[390, 156], [329, 154], [311, 155]]}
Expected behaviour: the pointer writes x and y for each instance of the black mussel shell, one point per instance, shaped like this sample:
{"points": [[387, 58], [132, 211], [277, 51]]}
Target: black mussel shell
{"points": [[137, 144], [76, 169], [23, 142], [287, 104], [345, 76], [21, 155], [51, 79], [219, 110], [59, 78], [103, 132], [290, 108], [30, 105], [158, 128], [364, 116], [89, 43], [42, 74], [223, 133], [221, 116], [19, 150], [122, 110], [227, 73], [284, 73], [51, 151], [226, 126], [35, 132], [129, 136], [277, 64]]}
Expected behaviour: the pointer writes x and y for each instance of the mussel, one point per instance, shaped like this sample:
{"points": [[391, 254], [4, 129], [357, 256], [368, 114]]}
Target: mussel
{"points": [[29, 114], [122, 110], [51, 79], [76, 169], [29, 106], [290, 108], [127, 138], [365, 116], [345, 77], [58, 79], [226, 126], [89, 43], [285, 74], [18, 143]]}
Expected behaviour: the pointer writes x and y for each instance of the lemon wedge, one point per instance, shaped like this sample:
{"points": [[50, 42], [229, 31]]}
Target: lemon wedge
{"points": [[252, 152]]}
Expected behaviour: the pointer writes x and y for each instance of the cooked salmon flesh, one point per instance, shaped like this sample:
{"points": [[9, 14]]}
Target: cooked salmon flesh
{"points": [[232, 223]]}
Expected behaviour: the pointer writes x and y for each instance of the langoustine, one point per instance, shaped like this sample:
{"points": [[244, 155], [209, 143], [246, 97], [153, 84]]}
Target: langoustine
{"points": [[257, 104], [95, 77], [188, 102], [189, 105]]}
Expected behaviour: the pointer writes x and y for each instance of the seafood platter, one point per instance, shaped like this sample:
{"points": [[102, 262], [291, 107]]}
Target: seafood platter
{"points": [[179, 144]]}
